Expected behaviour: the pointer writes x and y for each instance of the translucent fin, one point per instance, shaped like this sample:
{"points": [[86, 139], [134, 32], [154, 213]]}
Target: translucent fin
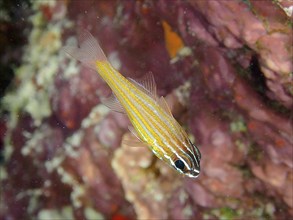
{"points": [[133, 140], [113, 104], [88, 52], [147, 84], [164, 105], [133, 131]]}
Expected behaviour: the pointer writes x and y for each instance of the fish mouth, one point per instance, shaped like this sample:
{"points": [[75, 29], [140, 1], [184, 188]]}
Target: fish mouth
{"points": [[193, 173]]}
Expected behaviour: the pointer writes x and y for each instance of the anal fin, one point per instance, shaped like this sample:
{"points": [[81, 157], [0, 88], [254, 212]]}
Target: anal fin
{"points": [[113, 104]]}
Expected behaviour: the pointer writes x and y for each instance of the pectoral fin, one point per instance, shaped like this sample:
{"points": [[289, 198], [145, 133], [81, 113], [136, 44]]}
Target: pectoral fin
{"points": [[133, 132], [133, 140]]}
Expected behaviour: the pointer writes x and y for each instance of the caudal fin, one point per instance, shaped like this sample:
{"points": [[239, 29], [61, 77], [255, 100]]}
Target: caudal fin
{"points": [[88, 52]]}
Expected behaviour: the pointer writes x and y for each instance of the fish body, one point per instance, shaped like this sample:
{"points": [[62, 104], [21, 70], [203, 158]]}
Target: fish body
{"points": [[152, 120]]}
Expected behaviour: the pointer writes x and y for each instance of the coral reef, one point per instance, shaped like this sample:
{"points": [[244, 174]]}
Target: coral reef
{"points": [[225, 68]]}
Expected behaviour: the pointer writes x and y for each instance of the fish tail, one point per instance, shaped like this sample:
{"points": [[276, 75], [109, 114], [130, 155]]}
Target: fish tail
{"points": [[88, 52]]}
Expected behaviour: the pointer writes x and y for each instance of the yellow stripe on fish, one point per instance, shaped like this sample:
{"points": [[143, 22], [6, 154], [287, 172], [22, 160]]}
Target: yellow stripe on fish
{"points": [[152, 120]]}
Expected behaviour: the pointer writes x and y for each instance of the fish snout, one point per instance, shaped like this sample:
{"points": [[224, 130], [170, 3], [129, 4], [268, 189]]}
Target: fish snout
{"points": [[193, 173]]}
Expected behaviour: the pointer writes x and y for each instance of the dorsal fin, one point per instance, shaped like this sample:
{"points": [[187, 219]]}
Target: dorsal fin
{"points": [[147, 84], [164, 105], [113, 104]]}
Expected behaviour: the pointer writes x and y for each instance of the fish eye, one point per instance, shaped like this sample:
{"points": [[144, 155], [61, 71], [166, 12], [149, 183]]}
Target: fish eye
{"points": [[179, 164]]}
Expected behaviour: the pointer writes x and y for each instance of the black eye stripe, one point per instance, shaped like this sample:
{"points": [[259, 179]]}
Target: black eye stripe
{"points": [[195, 150], [179, 164]]}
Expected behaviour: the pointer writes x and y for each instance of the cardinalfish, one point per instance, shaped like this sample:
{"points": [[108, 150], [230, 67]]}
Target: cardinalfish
{"points": [[151, 118]]}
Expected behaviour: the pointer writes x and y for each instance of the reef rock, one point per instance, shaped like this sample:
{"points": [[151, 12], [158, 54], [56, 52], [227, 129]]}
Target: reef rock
{"points": [[225, 68]]}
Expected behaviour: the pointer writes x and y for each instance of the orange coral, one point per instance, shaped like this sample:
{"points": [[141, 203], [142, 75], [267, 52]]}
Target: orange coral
{"points": [[173, 41]]}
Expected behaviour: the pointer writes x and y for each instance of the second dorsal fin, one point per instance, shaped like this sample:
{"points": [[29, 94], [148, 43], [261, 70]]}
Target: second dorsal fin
{"points": [[147, 84], [164, 105]]}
